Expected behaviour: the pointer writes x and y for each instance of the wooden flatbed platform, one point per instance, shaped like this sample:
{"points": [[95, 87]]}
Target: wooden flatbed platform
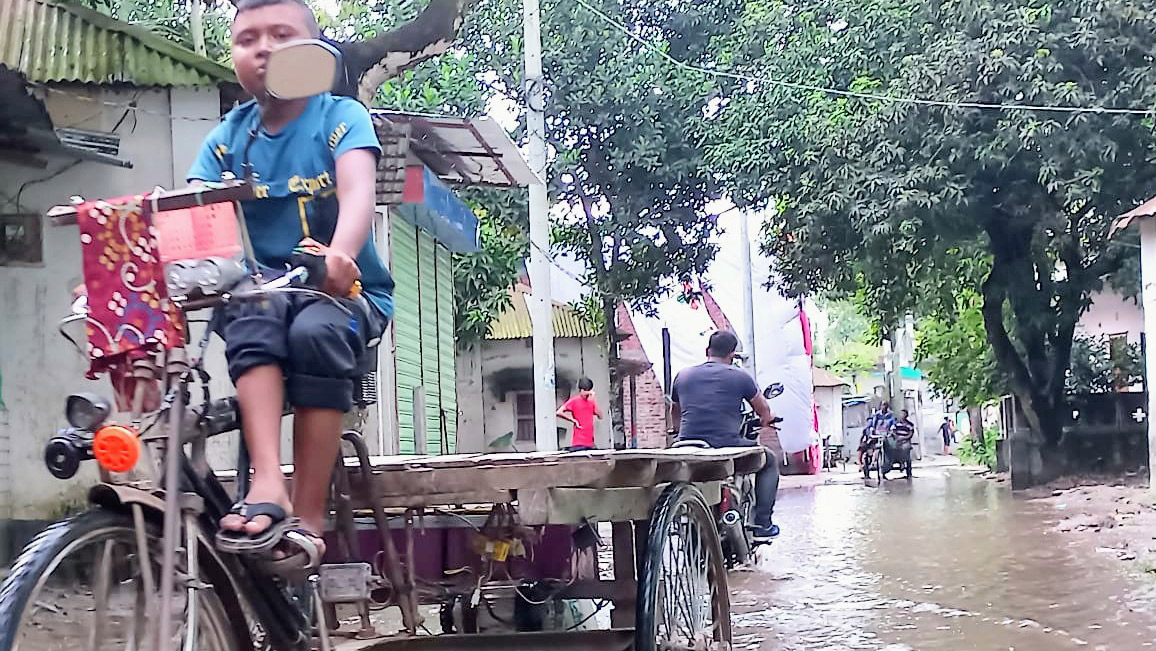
{"points": [[550, 487]]}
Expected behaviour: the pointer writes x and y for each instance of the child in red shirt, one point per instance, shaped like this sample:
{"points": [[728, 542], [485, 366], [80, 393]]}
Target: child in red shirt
{"points": [[581, 410]]}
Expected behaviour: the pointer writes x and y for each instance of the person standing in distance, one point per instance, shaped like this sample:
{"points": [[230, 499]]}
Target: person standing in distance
{"points": [[581, 410]]}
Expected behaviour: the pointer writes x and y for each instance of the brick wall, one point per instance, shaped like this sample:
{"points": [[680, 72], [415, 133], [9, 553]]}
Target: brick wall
{"points": [[651, 401], [716, 313]]}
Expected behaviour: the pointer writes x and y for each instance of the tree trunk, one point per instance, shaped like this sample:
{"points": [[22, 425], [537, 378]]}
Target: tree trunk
{"points": [[617, 403], [975, 421], [1032, 381], [609, 311]]}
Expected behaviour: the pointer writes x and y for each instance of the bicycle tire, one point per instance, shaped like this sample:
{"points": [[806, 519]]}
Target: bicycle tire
{"points": [[676, 499], [44, 553]]}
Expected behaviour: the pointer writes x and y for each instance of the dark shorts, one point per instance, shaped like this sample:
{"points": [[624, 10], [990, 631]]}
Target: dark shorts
{"points": [[322, 349]]}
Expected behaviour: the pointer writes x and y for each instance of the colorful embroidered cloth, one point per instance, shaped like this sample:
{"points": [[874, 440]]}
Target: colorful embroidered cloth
{"points": [[129, 311]]}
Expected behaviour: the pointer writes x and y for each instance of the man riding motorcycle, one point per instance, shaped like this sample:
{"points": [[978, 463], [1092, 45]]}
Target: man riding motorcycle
{"points": [[897, 445], [706, 405]]}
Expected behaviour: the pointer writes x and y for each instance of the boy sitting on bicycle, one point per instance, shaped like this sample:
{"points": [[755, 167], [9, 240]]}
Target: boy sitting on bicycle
{"points": [[313, 164]]}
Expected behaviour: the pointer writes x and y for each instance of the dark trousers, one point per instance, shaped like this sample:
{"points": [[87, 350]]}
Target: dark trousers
{"points": [[322, 349], [766, 480], [766, 485], [766, 490]]}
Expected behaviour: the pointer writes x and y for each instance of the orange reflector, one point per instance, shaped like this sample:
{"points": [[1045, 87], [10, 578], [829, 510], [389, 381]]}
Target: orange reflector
{"points": [[116, 448]]}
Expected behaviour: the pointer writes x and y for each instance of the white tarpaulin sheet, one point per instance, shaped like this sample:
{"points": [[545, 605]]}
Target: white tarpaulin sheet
{"points": [[780, 352], [690, 330]]}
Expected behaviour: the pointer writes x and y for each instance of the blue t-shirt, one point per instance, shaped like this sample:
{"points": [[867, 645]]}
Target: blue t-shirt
{"points": [[710, 397], [880, 423], [296, 180]]}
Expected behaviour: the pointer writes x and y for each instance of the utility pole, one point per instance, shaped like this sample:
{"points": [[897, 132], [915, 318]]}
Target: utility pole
{"points": [[1148, 300], [539, 301], [197, 25], [748, 335]]}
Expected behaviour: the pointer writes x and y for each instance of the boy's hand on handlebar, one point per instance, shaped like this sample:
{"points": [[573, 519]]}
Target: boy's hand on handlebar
{"points": [[79, 290], [341, 270]]}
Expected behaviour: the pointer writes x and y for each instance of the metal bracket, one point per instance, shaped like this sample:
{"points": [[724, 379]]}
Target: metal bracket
{"points": [[345, 582]]}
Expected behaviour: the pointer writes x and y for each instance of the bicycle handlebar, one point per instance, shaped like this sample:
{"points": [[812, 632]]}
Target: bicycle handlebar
{"points": [[281, 284]]}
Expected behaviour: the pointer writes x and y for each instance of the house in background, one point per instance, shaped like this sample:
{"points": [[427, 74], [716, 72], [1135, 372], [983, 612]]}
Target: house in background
{"points": [[1117, 318], [495, 379], [645, 401], [425, 158], [829, 391]]}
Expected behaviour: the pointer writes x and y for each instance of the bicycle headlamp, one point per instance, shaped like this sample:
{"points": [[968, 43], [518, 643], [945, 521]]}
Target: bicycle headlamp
{"points": [[212, 275], [86, 411]]}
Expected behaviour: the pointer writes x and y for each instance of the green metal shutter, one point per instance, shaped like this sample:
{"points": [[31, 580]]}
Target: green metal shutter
{"points": [[447, 348], [424, 336], [428, 306], [406, 326]]}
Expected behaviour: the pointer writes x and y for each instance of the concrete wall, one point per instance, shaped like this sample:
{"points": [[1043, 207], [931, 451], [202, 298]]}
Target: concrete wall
{"points": [[1102, 434], [39, 368], [1110, 314], [829, 401], [486, 412]]}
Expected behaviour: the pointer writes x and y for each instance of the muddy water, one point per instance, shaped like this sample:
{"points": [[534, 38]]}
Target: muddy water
{"points": [[947, 562]]}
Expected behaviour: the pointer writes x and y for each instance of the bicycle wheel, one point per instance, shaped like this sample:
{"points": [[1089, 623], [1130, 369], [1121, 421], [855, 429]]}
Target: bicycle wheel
{"points": [[683, 601], [79, 585]]}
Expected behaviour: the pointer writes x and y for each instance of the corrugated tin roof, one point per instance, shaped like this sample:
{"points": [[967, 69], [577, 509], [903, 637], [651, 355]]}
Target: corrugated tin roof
{"points": [[461, 151], [514, 323], [52, 42], [821, 377]]}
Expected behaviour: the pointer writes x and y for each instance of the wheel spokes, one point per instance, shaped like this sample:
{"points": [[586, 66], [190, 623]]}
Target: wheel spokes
{"points": [[100, 594], [94, 598], [686, 596]]}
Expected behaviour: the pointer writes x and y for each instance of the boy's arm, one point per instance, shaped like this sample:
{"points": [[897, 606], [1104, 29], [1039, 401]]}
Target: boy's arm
{"points": [[356, 189], [355, 154], [210, 162], [564, 413]]}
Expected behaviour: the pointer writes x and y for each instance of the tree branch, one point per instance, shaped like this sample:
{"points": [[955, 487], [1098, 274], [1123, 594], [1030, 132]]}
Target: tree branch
{"points": [[371, 63], [597, 256]]}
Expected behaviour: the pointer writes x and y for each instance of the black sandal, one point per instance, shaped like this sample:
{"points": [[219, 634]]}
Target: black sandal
{"points": [[241, 542], [301, 562]]}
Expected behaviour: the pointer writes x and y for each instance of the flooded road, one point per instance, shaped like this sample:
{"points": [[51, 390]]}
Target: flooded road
{"points": [[947, 562]]}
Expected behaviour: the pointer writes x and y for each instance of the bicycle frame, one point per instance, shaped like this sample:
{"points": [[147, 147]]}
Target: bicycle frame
{"points": [[194, 500]]}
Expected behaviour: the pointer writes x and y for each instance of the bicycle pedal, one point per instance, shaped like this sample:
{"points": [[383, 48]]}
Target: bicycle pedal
{"points": [[344, 583]]}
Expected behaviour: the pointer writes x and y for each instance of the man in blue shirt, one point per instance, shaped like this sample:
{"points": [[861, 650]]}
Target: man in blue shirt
{"points": [[313, 164], [878, 424], [707, 405]]}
